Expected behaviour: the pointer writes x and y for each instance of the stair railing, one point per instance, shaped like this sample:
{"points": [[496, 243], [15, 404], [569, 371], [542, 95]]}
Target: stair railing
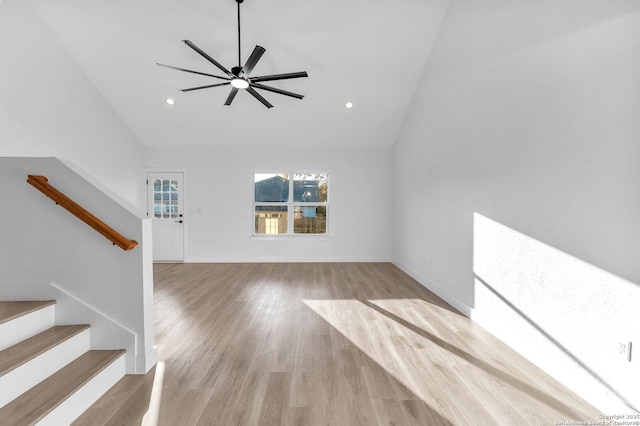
{"points": [[41, 183]]}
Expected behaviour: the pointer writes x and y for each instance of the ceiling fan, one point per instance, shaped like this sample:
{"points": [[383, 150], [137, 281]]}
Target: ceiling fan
{"points": [[240, 77]]}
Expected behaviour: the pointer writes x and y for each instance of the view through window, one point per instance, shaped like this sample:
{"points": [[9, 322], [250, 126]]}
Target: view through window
{"points": [[165, 198], [290, 203]]}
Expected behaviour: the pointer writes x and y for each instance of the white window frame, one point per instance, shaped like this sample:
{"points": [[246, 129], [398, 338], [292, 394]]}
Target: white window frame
{"points": [[291, 205]]}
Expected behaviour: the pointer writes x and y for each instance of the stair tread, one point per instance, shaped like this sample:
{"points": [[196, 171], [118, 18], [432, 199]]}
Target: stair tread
{"points": [[36, 403], [124, 404], [28, 349], [12, 310]]}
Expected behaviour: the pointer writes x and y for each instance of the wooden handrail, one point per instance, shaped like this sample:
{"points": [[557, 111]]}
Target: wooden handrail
{"points": [[42, 184]]}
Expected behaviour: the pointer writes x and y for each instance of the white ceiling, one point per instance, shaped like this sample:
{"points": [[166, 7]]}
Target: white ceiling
{"points": [[369, 52]]}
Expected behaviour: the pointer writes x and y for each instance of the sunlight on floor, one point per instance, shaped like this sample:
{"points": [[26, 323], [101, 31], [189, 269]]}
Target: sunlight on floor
{"points": [[411, 345], [152, 416], [413, 311], [183, 324], [396, 348]]}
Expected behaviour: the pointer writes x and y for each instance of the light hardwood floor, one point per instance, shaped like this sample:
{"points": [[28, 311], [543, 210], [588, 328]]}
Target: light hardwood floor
{"points": [[325, 344]]}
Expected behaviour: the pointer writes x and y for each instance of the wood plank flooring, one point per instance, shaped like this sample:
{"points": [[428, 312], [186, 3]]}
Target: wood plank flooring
{"points": [[326, 344]]}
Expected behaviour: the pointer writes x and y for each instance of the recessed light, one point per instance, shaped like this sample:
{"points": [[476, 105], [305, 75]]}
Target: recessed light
{"points": [[349, 105], [170, 101]]}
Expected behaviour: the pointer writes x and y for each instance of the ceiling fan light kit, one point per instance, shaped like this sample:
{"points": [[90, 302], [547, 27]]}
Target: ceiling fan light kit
{"points": [[240, 77]]}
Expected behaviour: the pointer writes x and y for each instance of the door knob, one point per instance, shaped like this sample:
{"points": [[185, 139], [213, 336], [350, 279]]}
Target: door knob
{"points": [[178, 221]]}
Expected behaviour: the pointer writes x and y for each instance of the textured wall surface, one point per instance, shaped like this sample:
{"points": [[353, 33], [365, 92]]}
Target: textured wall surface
{"points": [[523, 135], [48, 107]]}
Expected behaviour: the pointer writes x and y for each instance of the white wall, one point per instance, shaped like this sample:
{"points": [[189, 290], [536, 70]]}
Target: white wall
{"points": [[219, 220], [518, 171], [48, 107], [47, 253]]}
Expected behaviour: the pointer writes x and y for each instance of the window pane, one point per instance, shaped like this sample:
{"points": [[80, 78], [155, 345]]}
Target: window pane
{"points": [[271, 187], [271, 220], [165, 209], [156, 185], [310, 220], [310, 188]]}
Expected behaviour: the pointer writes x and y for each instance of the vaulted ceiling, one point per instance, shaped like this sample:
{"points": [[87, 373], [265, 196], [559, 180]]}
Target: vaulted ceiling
{"points": [[368, 52]]}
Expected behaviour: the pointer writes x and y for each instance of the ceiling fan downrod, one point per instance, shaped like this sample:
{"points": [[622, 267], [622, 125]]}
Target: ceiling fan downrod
{"points": [[239, 55]]}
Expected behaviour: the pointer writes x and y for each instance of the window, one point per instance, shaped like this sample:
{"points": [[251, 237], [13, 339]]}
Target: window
{"points": [[277, 195], [165, 198]]}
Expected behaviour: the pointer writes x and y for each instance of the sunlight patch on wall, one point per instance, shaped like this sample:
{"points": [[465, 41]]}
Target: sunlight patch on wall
{"points": [[566, 315]]}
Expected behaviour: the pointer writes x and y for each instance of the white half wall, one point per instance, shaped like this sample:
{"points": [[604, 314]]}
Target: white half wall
{"points": [[48, 107], [525, 125], [219, 197]]}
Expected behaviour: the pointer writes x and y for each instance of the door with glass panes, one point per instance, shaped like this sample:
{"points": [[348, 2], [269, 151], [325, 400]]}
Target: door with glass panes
{"points": [[165, 205]]}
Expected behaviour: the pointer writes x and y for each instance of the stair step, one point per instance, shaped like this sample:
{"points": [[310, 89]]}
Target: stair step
{"points": [[53, 393], [125, 403], [21, 320], [12, 310], [17, 355], [27, 363]]}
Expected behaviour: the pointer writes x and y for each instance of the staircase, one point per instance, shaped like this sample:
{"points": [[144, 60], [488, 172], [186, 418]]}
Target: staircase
{"points": [[48, 374]]}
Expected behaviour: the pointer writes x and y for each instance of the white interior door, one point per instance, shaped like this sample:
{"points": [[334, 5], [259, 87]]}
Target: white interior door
{"points": [[165, 196]]}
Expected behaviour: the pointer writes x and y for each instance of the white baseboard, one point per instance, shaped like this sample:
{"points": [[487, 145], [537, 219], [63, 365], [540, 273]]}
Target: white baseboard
{"points": [[438, 290], [145, 362], [287, 259]]}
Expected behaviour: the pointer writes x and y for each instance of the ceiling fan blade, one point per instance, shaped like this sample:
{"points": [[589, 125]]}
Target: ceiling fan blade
{"points": [[205, 87], [259, 97], [280, 76], [257, 53], [274, 90], [191, 71], [207, 57], [232, 95]]}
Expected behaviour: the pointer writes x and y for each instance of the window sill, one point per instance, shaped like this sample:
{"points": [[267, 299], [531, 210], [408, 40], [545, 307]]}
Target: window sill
{"points": [[291, 237]]}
